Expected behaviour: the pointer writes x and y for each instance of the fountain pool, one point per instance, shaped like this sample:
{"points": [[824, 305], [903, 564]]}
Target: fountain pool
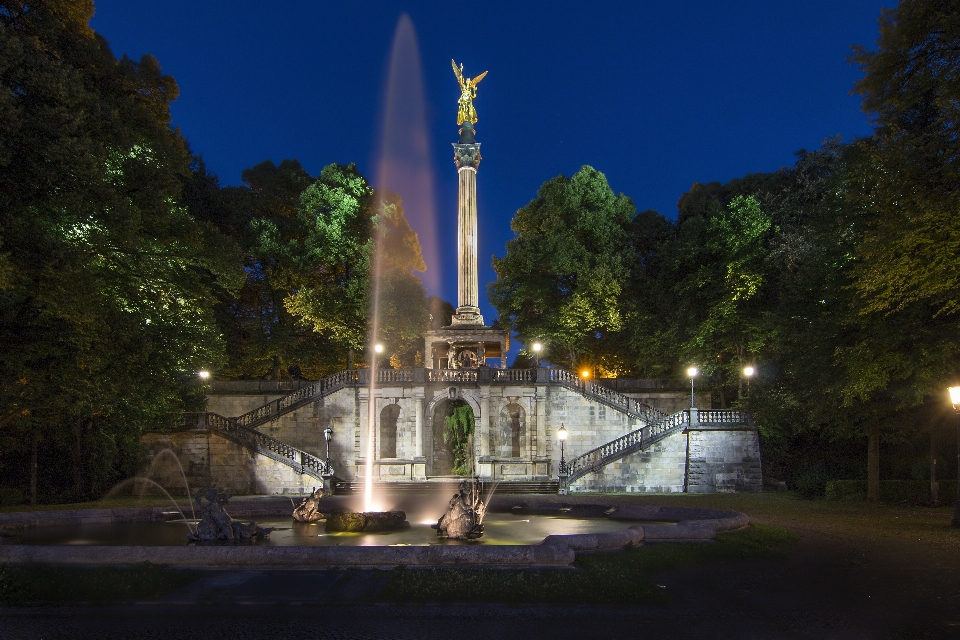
{"points": [[500, 529]]}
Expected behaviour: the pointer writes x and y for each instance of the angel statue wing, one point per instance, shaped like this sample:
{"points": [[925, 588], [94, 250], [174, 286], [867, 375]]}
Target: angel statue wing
{"points": [[457, 72], [477, 79]]}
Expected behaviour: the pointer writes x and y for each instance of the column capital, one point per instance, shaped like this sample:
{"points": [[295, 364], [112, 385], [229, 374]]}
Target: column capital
{"points": [[466, 155]]}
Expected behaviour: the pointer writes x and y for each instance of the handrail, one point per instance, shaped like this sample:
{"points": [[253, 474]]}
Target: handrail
{"points": [[609, 397], [298, 398], [301, 461], [723, 416], [352, 377], [638, 439]]}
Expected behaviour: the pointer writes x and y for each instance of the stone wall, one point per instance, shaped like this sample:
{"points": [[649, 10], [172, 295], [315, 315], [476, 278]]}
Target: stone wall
{"points": [[209, 459], [515, 439], [659, 469], [724, 461]]}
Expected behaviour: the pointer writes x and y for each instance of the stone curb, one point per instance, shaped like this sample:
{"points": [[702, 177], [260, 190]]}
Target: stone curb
{"points": [[294, 557], [555, 550], [80, 516]]}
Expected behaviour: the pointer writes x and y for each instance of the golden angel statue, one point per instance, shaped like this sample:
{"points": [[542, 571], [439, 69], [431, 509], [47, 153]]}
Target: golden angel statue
{"points": [[468, 91]]}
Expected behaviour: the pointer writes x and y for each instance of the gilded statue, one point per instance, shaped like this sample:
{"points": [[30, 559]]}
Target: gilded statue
{"points": [[468, 91]]}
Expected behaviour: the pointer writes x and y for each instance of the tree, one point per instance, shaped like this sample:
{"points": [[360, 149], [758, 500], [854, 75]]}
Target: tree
{"points": [[339, 282], [105, 312], [905, 191], [560, 281]]}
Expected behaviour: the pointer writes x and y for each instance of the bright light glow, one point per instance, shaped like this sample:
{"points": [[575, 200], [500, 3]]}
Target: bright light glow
{"points": [[749, 371], [585, 373], [203, 374], [536, 347], [692, 372], [562, 433], [378, 348], [955, 395]]}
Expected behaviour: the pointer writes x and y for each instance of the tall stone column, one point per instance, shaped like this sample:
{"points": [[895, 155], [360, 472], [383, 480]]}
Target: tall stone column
{"points": [[466, 155]]}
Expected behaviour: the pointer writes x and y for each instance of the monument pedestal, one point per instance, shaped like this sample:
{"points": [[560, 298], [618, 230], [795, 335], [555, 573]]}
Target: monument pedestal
{"points": [[464, 346]]}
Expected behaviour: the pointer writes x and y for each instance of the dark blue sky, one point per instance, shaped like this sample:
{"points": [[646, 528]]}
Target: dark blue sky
{"points": [[656, 95]]}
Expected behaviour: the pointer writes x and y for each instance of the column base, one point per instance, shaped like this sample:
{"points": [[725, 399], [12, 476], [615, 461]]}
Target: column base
{"points": [[467, 316]]}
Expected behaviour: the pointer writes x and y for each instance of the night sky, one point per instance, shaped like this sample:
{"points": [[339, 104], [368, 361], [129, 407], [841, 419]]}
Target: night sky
{"points": [[656, 95]]}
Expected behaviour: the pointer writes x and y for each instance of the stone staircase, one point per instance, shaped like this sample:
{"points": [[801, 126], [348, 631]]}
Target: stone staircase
{"points": [[646, 436], [229, 428]]}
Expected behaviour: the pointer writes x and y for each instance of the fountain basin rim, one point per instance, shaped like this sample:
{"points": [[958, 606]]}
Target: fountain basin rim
{"points": [[554, 551]]}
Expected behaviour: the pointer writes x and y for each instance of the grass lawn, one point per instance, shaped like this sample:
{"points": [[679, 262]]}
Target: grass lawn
{"points": [[612, 578], [28, 584]]}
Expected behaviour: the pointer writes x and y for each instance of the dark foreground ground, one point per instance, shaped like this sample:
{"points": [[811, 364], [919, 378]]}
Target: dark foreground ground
{"points": [[859, 571]]}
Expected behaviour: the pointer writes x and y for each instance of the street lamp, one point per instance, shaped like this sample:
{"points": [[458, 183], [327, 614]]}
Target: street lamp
{"points": [[562, 437], [378, 348], [327, 436], [748, 372], [585, 374], [955, 399], [203, 374], [536, 353], [692, 372]]}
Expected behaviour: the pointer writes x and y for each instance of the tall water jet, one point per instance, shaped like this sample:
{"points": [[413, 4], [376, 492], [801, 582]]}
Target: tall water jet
{"points": [[404, 166]]}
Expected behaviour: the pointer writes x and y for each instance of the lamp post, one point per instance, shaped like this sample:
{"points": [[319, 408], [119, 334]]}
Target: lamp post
{"points": [[536, 353], [692, 372], [203, 374], [327, 436], [562, 471], [955, 399], [748, 373]]}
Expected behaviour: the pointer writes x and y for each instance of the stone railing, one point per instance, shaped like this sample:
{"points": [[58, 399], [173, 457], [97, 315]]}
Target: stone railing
{"points": [[452, 375], [361, 377], [299, 460], [609, 397], [723, 417], [298, 398], [636, 440]]}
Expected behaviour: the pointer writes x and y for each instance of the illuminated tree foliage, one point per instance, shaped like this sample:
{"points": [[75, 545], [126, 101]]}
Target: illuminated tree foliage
{"points": [[106, 279], [561, 279], [332, 289]]}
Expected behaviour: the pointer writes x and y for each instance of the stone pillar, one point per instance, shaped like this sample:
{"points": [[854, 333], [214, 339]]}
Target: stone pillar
{"points": [[418, 412], [484, 421], [466, 155], [542, 434]]}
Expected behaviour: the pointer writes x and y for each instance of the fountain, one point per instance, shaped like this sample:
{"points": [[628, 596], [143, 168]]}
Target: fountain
{"points": [[309, 509], [464, 517], [217, 525]]}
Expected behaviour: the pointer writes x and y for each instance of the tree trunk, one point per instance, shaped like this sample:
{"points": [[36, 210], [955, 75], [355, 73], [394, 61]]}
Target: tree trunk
{"points": [[934, 483], [33, 470], [349, 359], [873, 462], [76, 455]]}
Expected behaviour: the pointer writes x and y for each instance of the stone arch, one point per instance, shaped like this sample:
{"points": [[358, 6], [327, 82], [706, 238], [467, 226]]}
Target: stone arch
{"points": [[389, 416], [512, 432], [441, 456], [444, 396]]}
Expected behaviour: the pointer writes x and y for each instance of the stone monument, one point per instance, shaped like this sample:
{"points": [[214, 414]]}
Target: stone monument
{"points": [[466, 343]]}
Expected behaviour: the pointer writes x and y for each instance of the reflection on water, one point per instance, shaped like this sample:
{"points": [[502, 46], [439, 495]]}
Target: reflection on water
{"points": [[498, 529]]}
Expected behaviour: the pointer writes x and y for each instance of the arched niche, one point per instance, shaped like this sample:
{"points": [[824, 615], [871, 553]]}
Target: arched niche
{"points": [[511, 439], [388, 430], [442, 455]]}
